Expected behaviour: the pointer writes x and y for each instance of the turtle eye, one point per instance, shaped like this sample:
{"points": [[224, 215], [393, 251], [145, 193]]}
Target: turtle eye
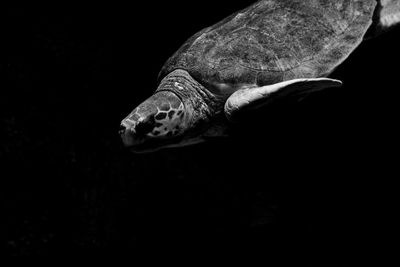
{"points": [[145, 126]]}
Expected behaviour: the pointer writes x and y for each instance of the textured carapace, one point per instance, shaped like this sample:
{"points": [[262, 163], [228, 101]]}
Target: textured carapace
{"points": [[273, 41], [271, 50]]}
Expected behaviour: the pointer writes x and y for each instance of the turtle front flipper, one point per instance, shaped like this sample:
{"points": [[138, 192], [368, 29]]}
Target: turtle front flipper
{"points": [[253, 98]]}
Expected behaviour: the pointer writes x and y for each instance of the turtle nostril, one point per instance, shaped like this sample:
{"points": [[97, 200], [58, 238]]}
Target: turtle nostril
{"points": [[122, 129]]}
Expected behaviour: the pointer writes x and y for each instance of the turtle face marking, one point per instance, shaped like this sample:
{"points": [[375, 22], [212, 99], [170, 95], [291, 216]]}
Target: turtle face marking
{"points": [[158, 121], [168, 122]]}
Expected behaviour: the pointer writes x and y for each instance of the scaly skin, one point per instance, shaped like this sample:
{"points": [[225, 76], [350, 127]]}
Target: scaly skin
{"points": [[180, 112], [201, 102], [269, 42]]}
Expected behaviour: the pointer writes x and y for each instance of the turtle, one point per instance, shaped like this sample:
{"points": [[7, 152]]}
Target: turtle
{"points": [[273, 49]]}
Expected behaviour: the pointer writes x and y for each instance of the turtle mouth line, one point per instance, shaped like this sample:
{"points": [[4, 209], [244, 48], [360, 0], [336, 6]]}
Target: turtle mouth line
{"points": [[153, 145], [142, 145]]}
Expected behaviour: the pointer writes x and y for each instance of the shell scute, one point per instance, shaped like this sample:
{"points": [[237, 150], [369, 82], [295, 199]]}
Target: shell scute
{"points": [[273, 41]]}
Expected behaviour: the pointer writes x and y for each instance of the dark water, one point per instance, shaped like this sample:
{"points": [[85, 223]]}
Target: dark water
{"points": [[298, 182]]}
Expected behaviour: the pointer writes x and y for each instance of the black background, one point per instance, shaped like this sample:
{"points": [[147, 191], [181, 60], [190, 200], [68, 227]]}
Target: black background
{"points": [[303, 182]]}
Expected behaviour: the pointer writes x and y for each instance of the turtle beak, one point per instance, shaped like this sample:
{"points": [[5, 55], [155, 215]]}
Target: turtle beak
{"points": [[156, 123], [132, 139], [133, 133], [127, 132]]}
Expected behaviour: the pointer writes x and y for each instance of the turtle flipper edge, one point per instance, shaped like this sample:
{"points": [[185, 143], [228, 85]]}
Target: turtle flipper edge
{"points": [[389, 13], [250, 99]]}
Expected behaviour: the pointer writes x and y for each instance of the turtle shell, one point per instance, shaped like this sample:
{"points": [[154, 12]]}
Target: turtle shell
{"points": [[273, 41]]}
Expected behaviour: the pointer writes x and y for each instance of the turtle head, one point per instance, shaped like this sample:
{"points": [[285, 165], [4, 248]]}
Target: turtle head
{"points": [[179, 113], [158, 122]]}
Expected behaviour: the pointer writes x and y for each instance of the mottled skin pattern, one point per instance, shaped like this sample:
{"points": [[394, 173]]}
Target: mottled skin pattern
{"points": [[175, 115], [269, 42], [159, 118], [166, 118]]}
